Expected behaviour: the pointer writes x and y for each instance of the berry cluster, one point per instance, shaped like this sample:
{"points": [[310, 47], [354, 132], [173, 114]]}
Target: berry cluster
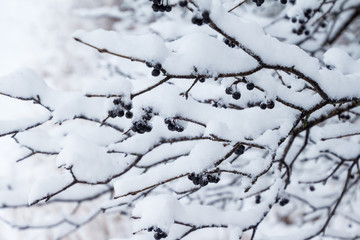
{"points": [[302, 29], [308, 13], [120, 108], [159, 6], [203, 179], [270, 104], [157, 67], [344, 117], [204, 19], [143, 125], [173, 125], [229, 43], [159, 234], [234, 93]]}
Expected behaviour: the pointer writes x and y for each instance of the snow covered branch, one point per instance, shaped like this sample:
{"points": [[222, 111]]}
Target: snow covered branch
{"points": [[230, 125]]}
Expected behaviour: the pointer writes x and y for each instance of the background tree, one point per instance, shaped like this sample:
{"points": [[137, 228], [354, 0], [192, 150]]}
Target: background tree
{"points": [[218, 121]]}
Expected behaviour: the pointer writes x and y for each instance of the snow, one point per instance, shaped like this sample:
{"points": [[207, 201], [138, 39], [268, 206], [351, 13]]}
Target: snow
{"points": [[23, 83], [202, 156], [146, 47], [342, 62], [179, 57], [79, 154], [199, 215], [46, 186]]}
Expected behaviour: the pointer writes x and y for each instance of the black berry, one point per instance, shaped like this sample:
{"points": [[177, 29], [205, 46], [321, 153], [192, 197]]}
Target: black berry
{"points": [[263, 106], [162, 8], [203, 181], [236, 95], [240, 150], [212, 179], [157, 66], [183, 3], [250, 86], [196, 181], [270, 104], [229, 90], [128, 106], [120, 113], [168, 8], [172, 127], [155, 72], [191, 176], [258, 2], [147, 117], [129, 114], [257, 199], [117, 101], [148, 64], [112, 113], [206, 17], [179, 128], [197, 21], [283, 202], [312, 188], [155, 7]]}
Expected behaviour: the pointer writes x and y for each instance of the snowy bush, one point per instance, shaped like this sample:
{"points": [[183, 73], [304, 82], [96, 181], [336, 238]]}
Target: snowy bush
{"points": [[242, 115]]}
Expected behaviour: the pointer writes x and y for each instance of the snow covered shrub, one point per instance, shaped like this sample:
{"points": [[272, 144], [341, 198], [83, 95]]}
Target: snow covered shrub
{"points": [[229, 115]]}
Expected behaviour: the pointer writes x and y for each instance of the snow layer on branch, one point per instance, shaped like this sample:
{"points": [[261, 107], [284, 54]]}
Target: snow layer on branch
{"points": [[270, 50], [157, 211], [13, 197], [339, 86], [88, 161], [148, 47], [163, 210], [342, 62], [44, 187], [273, 52], [111, 12], [206, 53], [113, 86], [202, 156], [8, 126], [347, 148], [23, 83], [333, 130], [81, 191]]}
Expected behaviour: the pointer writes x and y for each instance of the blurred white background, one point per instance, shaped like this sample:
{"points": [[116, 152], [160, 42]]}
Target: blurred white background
{"points": [[36, 34]]}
